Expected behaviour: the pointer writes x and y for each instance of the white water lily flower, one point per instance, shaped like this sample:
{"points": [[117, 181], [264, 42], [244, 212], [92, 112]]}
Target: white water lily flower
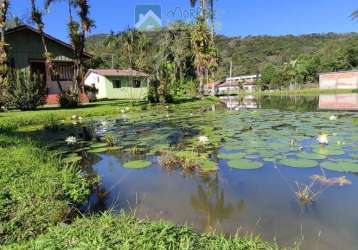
{"points": [[203, 139], [127, 109], [71, 140], [123, 111], [323, 139], [333, 118]]}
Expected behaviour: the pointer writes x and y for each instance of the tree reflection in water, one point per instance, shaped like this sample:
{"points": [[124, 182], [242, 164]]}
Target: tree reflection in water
{"points": [[210, 200]]}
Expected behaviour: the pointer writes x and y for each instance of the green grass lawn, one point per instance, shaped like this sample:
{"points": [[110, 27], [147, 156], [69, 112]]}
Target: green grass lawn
{"points": [[39, 194]]}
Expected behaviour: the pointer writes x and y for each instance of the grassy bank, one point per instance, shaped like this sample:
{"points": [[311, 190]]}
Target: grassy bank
{"points": [[36, 190], [126, 232], [39, 194]]}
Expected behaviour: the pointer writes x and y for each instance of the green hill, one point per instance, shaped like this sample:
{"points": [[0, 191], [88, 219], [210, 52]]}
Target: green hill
{"points": [[249, 54]]}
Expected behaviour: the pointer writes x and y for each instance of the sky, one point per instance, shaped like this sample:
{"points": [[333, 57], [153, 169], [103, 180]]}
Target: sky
{"points": [[233, 17]]}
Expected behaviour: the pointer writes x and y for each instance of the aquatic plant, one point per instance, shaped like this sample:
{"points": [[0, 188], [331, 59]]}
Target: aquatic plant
{"points": [[340, 181], [110, 140], [304, 193], [333, 118], [71, 140], [137, 164], [76, 118], [203, 139], [323, 139], [244, 164], [188, 160]]}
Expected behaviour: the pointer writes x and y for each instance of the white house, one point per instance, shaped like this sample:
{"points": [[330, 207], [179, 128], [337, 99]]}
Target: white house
{"points": [[118, 84]]}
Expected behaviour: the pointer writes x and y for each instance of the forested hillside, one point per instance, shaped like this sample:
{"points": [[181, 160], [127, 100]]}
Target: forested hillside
{"points": [[249, 55]]}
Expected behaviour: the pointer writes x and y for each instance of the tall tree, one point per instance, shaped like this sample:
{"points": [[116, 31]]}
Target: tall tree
{"points": [[4, 7], [207, 11], [36, 17], [112, 43], [206, 53], [134, 48], [77, 33]]}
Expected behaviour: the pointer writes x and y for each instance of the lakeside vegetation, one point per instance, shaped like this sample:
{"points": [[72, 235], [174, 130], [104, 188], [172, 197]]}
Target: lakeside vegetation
{"points": [[40, 193]]}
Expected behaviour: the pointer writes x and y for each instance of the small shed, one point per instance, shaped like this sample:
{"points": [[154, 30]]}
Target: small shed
{"points": [[339, 80], [118, 83]]}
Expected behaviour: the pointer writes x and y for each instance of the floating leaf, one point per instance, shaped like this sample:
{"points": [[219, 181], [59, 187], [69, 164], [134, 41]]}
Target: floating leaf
{"points": [[97, 150], [137, 164], [244, 164], [341, 166], [231, 156], [98, 145], [298, 163], [310, 156], [72, 158]]}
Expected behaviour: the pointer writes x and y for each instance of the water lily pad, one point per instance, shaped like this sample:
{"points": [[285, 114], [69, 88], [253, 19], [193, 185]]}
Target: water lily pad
{"points": [[97, 150], [72, 158], [244, 164], [310, 156], [341, 166], [230, 156], [137, 164], [328, 151], [98, 145], [299, 163]]}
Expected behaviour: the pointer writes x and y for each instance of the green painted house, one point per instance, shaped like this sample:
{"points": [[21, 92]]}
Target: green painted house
{"points": [[26, 51], [118, 84]]}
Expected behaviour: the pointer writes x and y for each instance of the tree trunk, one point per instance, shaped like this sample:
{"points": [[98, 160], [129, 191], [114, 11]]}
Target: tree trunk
{"points": [[201, 87], [4, 7]]}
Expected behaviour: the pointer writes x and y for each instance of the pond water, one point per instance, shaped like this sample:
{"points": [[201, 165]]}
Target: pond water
{"points": [[265, 152]]}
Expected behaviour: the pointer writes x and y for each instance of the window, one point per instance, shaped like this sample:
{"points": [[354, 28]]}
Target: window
{"points": [[62, 71], [117, 84], [136, 83]]}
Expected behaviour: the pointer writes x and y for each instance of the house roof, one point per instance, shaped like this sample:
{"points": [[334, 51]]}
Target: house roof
{"points": [[215, 83], [338, 72], [58, 41], [117, 72]]}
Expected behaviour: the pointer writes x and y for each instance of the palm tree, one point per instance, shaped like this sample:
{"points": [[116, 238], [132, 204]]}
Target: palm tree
{"points": [[206, 11], [112, 43], [36, 17], [77, 32], [4, 7], [206, 54], [134, 46]]}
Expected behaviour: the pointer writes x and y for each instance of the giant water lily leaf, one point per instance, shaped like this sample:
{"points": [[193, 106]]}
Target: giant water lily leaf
{"points": [[328, 151], [98, 145], [98, 150], [244, 164], [230, 156], [310, 156], [298, 163], [341, 166], [72, 158], [137, 164]]}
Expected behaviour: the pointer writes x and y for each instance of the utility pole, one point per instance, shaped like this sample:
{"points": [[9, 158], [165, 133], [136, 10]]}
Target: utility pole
{"points": [[230, 101]]}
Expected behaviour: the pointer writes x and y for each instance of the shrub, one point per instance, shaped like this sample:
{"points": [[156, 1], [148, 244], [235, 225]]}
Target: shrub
{"points": [[91, 93], [26, 91], [70, 98]]}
